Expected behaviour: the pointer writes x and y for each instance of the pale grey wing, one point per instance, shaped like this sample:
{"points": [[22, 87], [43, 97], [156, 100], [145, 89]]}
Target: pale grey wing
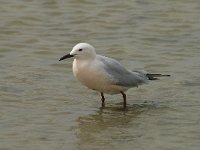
{"points": [[120, 75]]}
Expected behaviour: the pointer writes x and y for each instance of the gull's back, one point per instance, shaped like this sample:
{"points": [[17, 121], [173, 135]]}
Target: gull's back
{"points": [[119, 75]]}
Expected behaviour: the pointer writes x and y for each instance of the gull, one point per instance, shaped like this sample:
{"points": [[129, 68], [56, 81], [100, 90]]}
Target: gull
{"points": [[104, 74]]}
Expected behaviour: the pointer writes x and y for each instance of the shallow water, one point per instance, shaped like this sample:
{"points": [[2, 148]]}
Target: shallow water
{"points": [[42, 106]]}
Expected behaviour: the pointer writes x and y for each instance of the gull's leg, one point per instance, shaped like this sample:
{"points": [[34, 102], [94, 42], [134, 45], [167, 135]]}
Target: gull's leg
{"points": [[124, 98], [102, 100]]}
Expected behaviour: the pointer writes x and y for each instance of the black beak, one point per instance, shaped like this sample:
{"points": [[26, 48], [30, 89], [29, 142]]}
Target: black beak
{"points": [[66, 56]]}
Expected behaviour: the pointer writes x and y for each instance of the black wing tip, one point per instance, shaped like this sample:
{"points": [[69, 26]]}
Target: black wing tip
{"points": [[165, 75], [153, 76]]}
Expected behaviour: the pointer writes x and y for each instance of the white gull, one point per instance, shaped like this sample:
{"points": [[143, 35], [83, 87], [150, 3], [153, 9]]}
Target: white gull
{"points": [[103, 74]]}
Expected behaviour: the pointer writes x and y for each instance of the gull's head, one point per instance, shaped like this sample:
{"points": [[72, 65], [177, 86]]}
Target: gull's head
{"points": [[81, 51]]}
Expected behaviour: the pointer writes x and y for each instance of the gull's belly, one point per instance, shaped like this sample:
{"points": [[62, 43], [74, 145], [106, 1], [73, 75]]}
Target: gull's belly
{"points": [[96, 80]]}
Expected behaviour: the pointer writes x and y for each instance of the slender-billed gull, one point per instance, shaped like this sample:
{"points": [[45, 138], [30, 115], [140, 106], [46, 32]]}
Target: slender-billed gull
{"points": [[104, 74]]}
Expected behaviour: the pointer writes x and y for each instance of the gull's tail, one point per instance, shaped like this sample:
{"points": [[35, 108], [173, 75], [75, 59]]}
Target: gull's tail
{"points": [[155, 76]]}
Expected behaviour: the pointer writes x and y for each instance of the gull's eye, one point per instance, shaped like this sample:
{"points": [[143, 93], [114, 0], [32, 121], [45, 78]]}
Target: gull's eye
{"points": [[80, 50]]}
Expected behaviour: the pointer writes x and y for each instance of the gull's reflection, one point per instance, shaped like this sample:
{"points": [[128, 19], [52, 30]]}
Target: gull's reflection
{"points": [[94, 129]]}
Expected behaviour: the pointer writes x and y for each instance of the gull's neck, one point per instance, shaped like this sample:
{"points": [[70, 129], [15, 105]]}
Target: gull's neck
{"points": [[86, 58]]}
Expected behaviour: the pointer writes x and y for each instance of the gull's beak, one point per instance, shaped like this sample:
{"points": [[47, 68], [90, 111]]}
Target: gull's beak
{"points": [[66, 56]]}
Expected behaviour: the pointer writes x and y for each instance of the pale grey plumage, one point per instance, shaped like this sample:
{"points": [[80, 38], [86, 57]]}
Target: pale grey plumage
{"points": [[119, 75]]}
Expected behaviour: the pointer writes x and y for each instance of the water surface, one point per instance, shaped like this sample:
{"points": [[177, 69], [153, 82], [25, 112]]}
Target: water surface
{"points": [[42, 106]]}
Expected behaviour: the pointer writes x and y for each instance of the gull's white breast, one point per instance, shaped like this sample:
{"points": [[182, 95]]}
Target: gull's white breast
{"points": [[90, 74]]}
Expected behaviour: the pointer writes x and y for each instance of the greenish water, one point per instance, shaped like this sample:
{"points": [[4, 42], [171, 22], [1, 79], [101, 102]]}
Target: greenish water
{"points": [[42, 106]]}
